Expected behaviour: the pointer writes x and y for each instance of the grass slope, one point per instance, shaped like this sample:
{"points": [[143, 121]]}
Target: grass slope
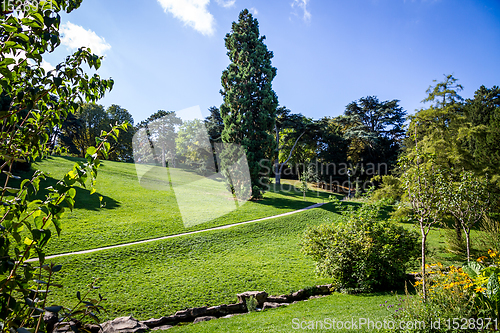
{"points": [[134, 212], [298, 317], [159, 278]]}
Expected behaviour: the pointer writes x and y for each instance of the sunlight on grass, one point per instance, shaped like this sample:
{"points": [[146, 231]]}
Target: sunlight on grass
{"points": [[137, 211]]}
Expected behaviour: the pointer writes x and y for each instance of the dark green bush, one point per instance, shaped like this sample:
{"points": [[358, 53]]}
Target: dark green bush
{"points": [[361, 251]]}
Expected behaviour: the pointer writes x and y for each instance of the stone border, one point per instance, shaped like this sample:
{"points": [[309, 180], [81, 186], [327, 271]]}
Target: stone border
{"points": [[196, 315]]}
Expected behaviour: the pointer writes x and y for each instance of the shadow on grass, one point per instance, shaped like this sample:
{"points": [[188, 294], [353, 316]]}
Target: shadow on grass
{"points": [[84, 200]]}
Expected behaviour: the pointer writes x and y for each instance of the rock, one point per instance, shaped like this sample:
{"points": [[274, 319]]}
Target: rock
{"points": [[50, 319], [184, 318], [278, 299], [205, 318], [234, 314], [151, 323], [163, 327], [93, 328], [220, 310], [323, 289], [198, 312], [124, 325], [65, 327], [298, 295], [317, 296], [273, 305], [213, 311], [260, 297], [236, 308], [183, 315], [182, 312]]}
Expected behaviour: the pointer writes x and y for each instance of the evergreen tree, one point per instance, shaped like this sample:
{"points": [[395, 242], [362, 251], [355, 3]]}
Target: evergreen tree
{"points": [[374, 130], [483, 114], [249, 108]]}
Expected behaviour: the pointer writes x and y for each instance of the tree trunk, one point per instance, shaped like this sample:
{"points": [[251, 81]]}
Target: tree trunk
{"points": [[424, 288], [277, 170], [467, 238], [290, 155], [163, 162]]}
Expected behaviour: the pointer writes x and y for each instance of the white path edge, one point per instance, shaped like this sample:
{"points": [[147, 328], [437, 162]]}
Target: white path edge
{"points": [[176, 235]]}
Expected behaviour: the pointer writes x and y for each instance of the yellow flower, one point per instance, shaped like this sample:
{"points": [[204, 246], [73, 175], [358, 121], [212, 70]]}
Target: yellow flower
{"points": [[481, 259], [492, 253], [479, 289]]}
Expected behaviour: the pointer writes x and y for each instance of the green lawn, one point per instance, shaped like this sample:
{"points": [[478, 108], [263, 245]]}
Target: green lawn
{"points": [[298, 317], [134, 212], [161, 277]]}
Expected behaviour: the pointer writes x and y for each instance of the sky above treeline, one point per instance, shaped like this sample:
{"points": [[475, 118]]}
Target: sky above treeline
{"points": [[170, 54]]}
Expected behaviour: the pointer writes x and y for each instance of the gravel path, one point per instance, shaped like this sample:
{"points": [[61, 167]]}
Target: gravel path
{"points": [[177, 235]]}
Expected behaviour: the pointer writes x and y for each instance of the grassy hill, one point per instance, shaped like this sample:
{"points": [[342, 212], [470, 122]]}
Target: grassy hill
{"points": [[135, 211], [210, 268]]}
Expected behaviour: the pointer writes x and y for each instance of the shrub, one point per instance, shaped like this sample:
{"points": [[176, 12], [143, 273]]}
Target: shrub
{"points": [[449, 307], [390, 188], [491, 226], [361, 251], [459, 299]]}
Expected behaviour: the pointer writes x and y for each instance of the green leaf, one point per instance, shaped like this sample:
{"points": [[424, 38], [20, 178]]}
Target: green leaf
{"points": [[39, 221], [54, 309], [472, 269], [493, 287], [7, 61], [24, 330], [28, 241], [12, 190], [26, 39], [9, 28], [56, 268], [57, 225], [91, 151]]}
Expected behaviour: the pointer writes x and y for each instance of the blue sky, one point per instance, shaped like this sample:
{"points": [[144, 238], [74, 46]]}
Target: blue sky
{"points": [[169, 54]]}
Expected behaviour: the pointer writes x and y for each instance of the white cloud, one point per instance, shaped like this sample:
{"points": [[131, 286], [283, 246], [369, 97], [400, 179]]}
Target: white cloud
{"points": [[75, 36], [226, 3], [192, 12], [254, 11], [302, 4], [47, 65]]}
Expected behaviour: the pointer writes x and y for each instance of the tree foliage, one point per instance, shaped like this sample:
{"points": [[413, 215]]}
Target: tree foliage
{"points": [[160, 134], [249, 108], [80, 130], [467, 199], [374, 130], [38, 102], [421, 182]]}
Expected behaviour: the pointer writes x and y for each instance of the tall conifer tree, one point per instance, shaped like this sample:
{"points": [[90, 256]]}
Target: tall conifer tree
{"points": [[249, 108]]}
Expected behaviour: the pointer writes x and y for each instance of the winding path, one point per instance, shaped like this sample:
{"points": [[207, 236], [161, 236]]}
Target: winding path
{"points": [[177, 235]]}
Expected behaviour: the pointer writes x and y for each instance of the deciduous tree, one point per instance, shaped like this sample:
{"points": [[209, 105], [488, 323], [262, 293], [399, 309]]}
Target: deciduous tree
{"points": [[39, 101]]}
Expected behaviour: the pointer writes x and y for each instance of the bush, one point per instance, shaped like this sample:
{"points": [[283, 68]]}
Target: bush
{"points": [[389, 189], [459, 299], [361, 251], [491, 226]]}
